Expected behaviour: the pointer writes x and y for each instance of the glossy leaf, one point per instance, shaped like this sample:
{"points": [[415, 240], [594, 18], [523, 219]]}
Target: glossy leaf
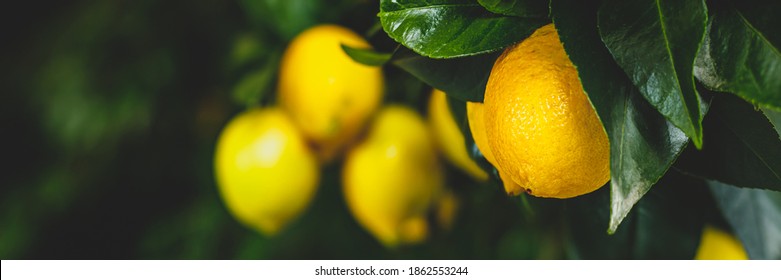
{"points": [[655, 42], [518, 8], [744, 150], [643, 144], [663, 226], [737, 57], [367, 56], [462, 78], [452, 28], [755, 216]]}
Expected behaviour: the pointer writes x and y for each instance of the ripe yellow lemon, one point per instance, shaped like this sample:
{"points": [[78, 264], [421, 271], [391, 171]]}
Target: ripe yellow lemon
{"points": [[266, 174], [716, 244], [475, 116], [449, 138], [392, 178], [328, 95], [541, 128]]}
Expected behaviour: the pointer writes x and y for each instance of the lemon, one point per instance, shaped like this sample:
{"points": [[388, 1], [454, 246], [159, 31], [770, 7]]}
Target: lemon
{"points": [[716, 244], [328, 95], [392, 178], [475, 116], [541, 128], [449, 138], [266, 174]]}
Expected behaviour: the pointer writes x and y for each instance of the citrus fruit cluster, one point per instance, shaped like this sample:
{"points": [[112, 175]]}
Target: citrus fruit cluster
{"points": [[267, 159]]}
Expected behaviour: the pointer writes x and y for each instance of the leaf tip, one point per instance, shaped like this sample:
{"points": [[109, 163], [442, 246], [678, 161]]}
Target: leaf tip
{"points": [[697, 141]]}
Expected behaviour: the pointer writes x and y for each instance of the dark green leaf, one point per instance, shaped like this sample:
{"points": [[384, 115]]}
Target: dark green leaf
{"points": [[462, 78], [367, 56], [737, 57], [452, 28], [762, 15], [255, 85], [663, 226], [458, 111], [774, 117], [518, 8], [643, 144], [743, 149], [655, 42], [755, 216]]}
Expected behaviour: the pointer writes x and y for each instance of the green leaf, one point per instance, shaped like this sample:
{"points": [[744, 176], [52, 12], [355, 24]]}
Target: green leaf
{"points": [[774, 117], [452, 28], [643, 144], [755, 216], [737, 57], [762, 15], [254, 86], [462, 78], [367, 56], [664, 226], [655, 42], [743, 149], [518, 8]]}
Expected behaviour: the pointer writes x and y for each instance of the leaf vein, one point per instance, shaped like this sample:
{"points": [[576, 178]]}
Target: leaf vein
{"points": [[672, 64]]}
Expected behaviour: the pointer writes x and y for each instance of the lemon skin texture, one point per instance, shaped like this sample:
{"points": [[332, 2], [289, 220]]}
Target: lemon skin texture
{"points": [[265, 173], [328, 95], [715, 244], [449, 138], [541, 128], [392, 178], [475, 115]]}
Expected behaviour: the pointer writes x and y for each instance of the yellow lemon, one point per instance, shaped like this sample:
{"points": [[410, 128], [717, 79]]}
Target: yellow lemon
{"points": [[449, 138], [475, 116], [716, 244], [392, 177], [328, 95], [541, 128], [266, 174]]}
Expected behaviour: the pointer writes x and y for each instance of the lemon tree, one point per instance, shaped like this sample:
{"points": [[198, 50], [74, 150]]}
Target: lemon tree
{"points": [[687, 88], [636, 126]]}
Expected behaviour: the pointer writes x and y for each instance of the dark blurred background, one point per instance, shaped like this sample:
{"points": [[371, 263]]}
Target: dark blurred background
{"points": [[109, 115]]}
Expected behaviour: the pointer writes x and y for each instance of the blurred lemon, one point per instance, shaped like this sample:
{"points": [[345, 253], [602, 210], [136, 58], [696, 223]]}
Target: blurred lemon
{"points": [[448, 136], [265, 172], [716, 244], [542, 131], [392, 177], [328, 95]]}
